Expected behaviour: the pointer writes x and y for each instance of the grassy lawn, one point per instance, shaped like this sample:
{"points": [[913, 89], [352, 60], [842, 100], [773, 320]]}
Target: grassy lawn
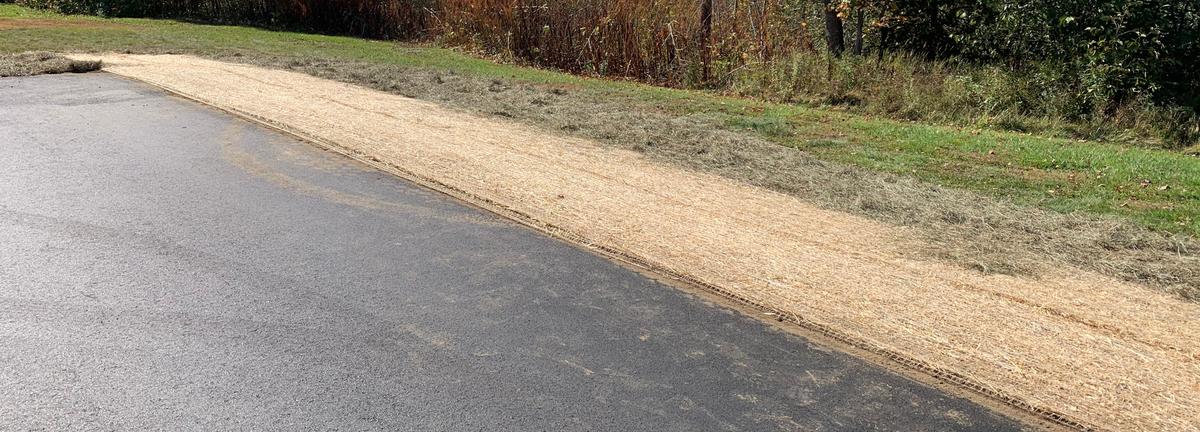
{"points": [[1154, 188]]}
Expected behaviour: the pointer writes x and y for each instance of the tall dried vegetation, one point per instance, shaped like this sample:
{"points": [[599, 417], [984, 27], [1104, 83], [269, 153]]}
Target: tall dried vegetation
{"points": [[1096, 69]]}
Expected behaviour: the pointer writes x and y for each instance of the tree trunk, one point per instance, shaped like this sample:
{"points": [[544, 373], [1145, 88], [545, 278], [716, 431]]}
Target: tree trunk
{"points": [[883, 39], [834, 34], [932, 44], [858, 34], [706, 7]]}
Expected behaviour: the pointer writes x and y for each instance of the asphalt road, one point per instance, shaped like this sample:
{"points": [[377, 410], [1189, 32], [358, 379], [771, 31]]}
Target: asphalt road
{"points": [[166, 266]]}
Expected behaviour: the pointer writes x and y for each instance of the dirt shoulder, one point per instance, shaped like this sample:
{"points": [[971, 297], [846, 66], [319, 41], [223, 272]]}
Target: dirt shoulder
{"points": [[1088, 347]]}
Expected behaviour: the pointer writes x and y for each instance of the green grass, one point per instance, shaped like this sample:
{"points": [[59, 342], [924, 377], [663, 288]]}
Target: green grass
{"points": [[1158, 189], [1155, 188]]}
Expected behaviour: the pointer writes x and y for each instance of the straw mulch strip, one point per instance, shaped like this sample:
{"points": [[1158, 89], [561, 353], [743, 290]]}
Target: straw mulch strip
{"points": [[1089, 349]]}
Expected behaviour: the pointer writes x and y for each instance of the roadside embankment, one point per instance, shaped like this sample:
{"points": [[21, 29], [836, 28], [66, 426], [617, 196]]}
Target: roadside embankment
{"points": [[1087, 348]]}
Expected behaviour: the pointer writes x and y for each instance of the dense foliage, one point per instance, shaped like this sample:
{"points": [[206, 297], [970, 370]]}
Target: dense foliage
{"points": [[1095, 64], [388, 19], [1117, 50]]}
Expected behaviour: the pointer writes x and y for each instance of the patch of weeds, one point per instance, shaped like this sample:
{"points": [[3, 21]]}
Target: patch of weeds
{"points": [[771, 126], [38, 63], [821, 143]]}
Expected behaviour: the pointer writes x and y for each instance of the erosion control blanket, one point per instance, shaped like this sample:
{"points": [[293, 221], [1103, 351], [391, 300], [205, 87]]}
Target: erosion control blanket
{"points": [[1092, 349]]}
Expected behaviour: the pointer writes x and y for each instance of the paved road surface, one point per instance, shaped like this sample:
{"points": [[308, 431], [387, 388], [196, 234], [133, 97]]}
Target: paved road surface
{"points": [[167, 266]]}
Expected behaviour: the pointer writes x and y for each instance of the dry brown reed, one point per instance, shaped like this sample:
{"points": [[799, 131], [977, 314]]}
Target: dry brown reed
{"points": [[651, 40]]}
